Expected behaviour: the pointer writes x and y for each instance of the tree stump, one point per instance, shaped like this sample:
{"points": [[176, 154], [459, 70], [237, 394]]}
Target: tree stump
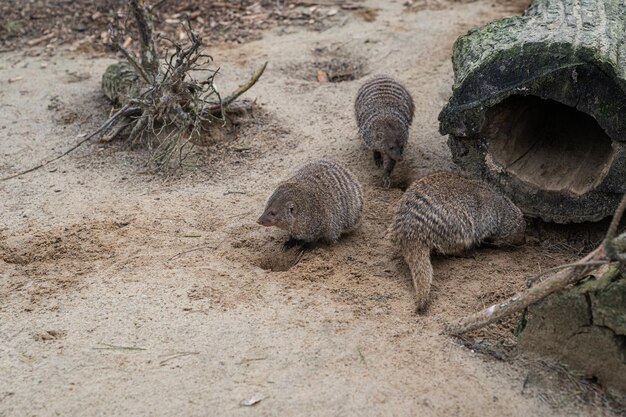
{"points": [[583, 327], [538, 108]]}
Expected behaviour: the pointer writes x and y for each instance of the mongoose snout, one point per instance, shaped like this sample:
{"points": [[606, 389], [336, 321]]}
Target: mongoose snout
{"points": [[320, 201], [267, 219], [272, 217], [449, 214]]}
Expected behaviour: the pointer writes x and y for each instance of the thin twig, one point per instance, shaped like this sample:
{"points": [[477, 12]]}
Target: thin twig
{"points": [[115, 347], [609, 246], [246, 360], [212, 107], [177, 355], [121, 112], [520, 301], [191, 250], [530, 281], [130, 57]]}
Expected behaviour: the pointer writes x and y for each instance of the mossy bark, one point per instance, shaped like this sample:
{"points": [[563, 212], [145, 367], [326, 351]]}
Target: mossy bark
{"points": [[570, 51], [583, 327], [121, 82]]}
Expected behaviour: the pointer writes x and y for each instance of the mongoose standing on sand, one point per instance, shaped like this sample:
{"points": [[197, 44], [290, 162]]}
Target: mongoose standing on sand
{"points": [[449, 214], [384, 111], [321, 201]]}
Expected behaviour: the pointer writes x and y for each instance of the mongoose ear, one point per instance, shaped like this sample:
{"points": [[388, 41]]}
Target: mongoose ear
{"points": [[292, 207]]}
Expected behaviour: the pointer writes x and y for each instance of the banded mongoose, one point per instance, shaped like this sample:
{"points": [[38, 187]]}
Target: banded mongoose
{"points": [[384, 111], [449, 214], [321, 201]]}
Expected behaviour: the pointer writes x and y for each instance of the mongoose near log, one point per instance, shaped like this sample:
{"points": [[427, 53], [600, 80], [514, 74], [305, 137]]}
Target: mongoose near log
{"points": [[321, 201], [446, 213], [384, 111]]}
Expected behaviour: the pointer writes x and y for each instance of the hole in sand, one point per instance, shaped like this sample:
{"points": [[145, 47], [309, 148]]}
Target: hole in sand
{"points": [[403, 183], [277, 260], [336, 70], [330, 64], [548, 144]]}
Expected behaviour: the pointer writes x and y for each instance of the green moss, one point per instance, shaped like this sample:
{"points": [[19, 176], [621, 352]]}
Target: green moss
{"points": [[535, 45]]}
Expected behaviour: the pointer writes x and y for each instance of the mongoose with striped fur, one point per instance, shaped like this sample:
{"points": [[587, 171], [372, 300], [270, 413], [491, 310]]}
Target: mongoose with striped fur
{"points": [[321, 201], [384, 111], [449, 214]]}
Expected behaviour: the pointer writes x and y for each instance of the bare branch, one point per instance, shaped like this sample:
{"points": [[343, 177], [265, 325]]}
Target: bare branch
{"points": [[612, 251], [123, 112], [530, 296], [239, 91], [149, 57]]}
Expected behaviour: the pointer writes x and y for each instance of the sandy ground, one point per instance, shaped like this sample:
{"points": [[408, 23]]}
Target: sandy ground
{"points": [[125, 293]]}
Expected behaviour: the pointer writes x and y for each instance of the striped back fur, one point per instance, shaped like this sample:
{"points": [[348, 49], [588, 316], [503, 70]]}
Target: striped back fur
{"points": [[446, 213], [450, 213], [382, 99], [322, 200]]}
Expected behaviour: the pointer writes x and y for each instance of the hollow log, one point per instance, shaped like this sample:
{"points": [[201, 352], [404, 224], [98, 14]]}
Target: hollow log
{"points": [[583, 327], [538, 108]]}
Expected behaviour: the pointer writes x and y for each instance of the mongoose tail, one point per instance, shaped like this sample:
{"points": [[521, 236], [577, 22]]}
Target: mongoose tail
{"points": [[448, 214], [418, 260]]}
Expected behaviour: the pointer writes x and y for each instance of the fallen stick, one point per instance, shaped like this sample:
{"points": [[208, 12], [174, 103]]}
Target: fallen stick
{"points": [[520, 301], [614, 248], [219, 105], [37, 41], [606, 252], [121, 112]]}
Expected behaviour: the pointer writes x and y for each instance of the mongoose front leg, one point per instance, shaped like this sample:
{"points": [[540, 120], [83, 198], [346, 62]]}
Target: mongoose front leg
{"points": [[292, 243], [388, 165], [507, 241], [303, 248], [378, 159]]}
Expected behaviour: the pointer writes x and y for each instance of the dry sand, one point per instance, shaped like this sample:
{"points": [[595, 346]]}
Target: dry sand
{"points": [[126, 293]]}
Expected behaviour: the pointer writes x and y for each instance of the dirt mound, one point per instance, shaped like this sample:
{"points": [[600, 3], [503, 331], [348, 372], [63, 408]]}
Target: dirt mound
{"points": [[56, 260], [329, 64]]}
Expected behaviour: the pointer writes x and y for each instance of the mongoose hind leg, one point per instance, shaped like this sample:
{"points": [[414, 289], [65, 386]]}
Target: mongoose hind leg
{"points": [[378, 159]]}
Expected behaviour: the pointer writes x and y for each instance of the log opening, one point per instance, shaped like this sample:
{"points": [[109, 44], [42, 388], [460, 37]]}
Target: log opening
{"points": [[547, 144], [508, 119]]}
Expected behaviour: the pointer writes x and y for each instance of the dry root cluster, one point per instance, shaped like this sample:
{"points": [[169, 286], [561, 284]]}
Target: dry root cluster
{"points": [[165, 103]]}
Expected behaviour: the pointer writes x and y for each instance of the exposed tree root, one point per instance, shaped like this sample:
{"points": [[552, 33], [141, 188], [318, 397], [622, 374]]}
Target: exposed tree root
{"points": [[163, 107]]}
